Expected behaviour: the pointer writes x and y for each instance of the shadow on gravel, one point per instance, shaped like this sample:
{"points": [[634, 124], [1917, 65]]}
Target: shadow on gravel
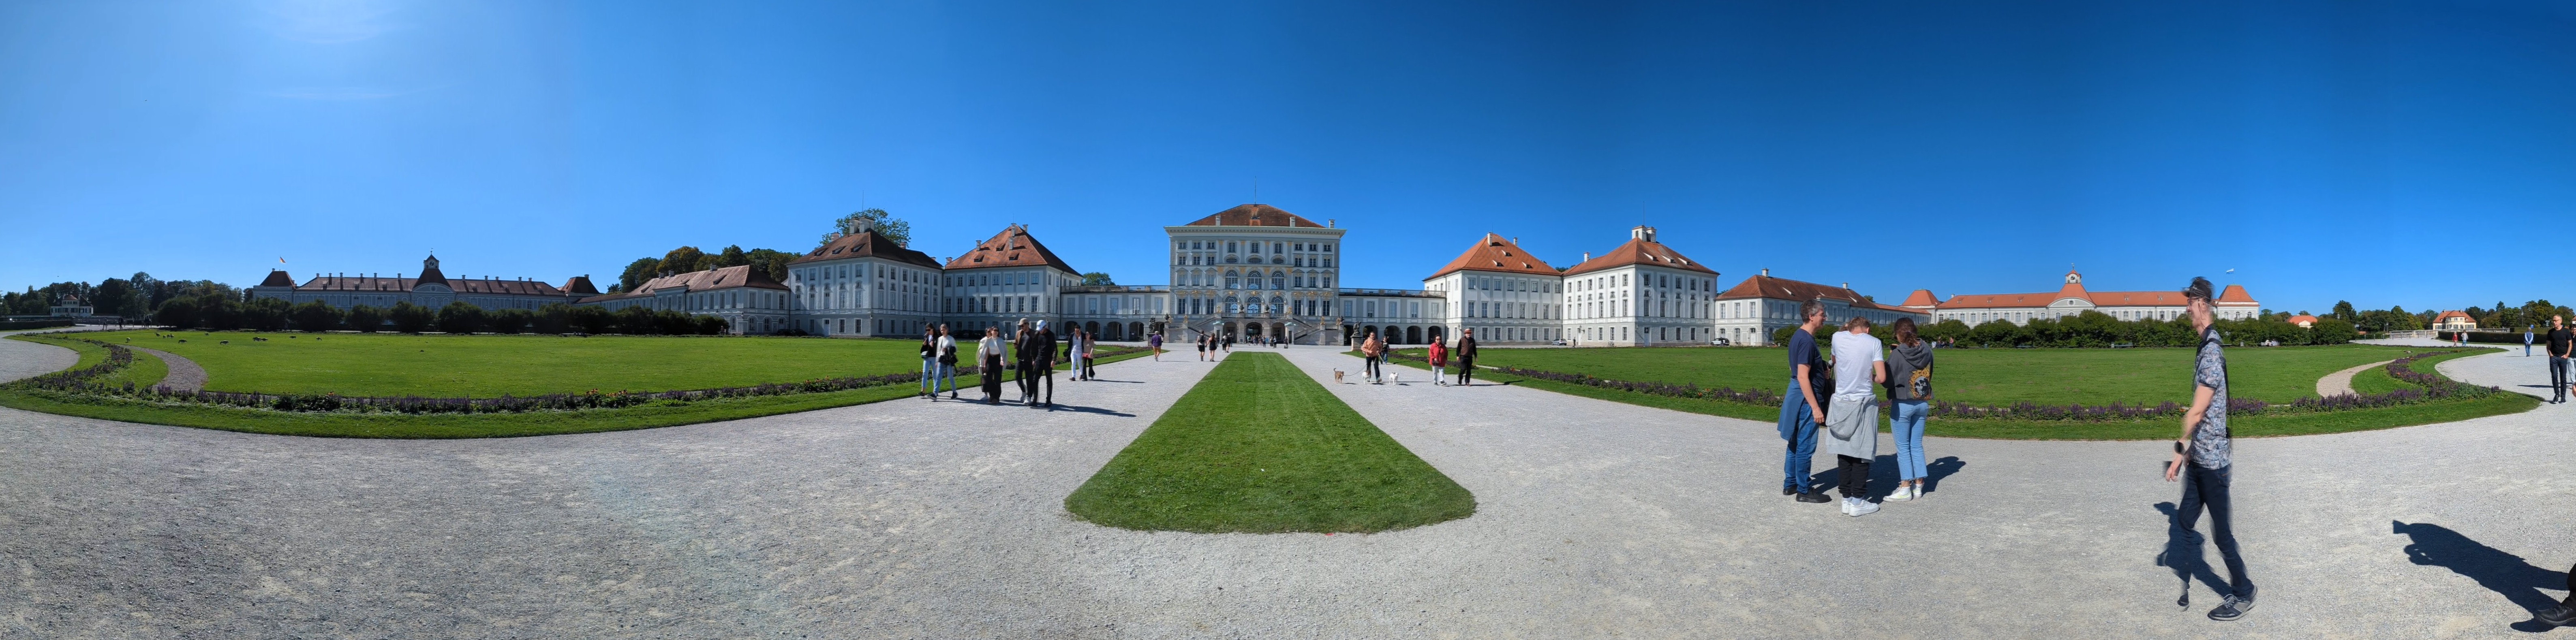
{"points": [[2508, 574], [2184, 554]]}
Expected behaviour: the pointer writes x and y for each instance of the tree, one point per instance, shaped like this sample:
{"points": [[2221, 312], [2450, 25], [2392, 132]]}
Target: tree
{"points": [[365, 318], [264, 314], [509, 321], [2343, 311], [683, 260], [176, 313], [217, 312], [635, 321], [411, 318], [731, 256], [637, 273], [460, 317], [314, 316], [593, 319], [553, 318], [110, 296], [772, 262], [1097, 278], [712, 326], [885, 224]]}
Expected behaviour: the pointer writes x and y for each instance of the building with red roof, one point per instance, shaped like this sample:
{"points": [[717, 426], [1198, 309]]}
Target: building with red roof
{"points": [[2454, 320], [743, 295], [1749, 312], [2071, 298], [1253, 272], [429, 288], [1641, 292]]}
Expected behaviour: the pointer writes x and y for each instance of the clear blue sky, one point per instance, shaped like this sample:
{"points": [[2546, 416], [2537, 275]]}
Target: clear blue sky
{"points": [[2382, 153]]}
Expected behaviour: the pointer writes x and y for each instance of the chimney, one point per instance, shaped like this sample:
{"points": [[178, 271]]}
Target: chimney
{"points": [[1587, 257], [1642, 232], [1328, 223], [1766, 272], [1846, 285], [1516, 239]]}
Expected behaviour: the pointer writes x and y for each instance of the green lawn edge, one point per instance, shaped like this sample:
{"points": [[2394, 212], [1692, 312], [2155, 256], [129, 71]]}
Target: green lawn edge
{"points": [[452, 426], [147, 369], [1310, 464], [2252, 426]]}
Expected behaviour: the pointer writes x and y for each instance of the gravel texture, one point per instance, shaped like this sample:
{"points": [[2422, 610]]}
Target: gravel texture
{"points": [[2340, 382], [23, 359], [184, 374], [937, 520]]}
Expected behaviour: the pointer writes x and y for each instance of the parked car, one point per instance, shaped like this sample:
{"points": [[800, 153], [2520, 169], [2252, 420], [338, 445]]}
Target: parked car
{"points": [[1558, 342], [1720, 342]]}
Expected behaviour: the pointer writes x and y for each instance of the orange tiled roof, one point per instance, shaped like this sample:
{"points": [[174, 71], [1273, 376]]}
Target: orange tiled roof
{"points": [[1253, 215], [404, 285], [1013, 247], [1494, 253], [1921, 298], [866, 244], [2234, 294], [580, 286], [1640, 251], [2437, 319], [1787, 289], [2303, 318], [708, 280], [2099, 299]]}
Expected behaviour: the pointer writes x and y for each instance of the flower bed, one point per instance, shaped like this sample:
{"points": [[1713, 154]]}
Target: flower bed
{"points": [[78, 382]]}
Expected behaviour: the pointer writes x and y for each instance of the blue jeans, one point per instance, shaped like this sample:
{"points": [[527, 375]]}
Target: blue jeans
{"points": [[947, 373], [1798, 427], [1908, 428], [929, 374]]}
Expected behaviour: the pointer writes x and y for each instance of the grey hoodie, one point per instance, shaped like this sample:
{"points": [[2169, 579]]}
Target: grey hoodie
{"points": [[1902, 364]]}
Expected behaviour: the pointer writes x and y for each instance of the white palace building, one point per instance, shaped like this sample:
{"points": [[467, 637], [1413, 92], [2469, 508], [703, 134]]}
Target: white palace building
{"points": [[1250, 272]]}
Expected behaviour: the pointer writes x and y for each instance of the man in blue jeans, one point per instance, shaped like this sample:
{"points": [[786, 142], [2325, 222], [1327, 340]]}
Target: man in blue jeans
{"points": [[2201, 457], [1798, 408]]}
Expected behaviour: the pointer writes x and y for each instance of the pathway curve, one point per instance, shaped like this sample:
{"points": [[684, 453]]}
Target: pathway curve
{"points": [[23, 359], [2340, 382], [184, 374], [918, 519]]}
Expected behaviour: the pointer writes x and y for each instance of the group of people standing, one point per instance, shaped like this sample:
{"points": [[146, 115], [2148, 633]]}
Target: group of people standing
{"points": [[1848, 419], [1030, 355], [1373, 352]]}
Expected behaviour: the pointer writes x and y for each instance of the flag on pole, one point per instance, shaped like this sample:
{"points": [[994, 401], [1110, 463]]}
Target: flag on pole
{"points": [[281, 260]]}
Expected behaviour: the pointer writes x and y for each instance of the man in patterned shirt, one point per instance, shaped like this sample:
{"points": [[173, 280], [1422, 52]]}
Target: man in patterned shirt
{"points": [[2201, 456]]}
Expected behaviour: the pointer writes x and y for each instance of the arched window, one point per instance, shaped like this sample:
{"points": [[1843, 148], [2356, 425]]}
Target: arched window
{"points": [[1230, 281], [1279, 280]]}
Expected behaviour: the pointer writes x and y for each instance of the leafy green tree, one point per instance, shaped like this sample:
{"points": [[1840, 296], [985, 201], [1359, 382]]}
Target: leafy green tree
{"points": [[366, 318], [553, 318], [593, 319], [264, 314], [315, 316], [218, 312], [885, 224], [110, 297], [635, 320], [460, 317], [509, 321], [712, 326], [731, 256], [683, 260], [411, 318], [2343, 311], [1097, 278], [177, 313], [672, 322], [637, 273], [772, 262]]}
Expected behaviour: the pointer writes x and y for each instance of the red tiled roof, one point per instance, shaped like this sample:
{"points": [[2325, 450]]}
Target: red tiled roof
{"points": [[1494, 253], [2099, 299], [866, 244], [696, 281], [405, 285], [277, 278], [1761, 286], [2234, 294], [2437, 319], [1013, 247], [1254, 215], [580, 286], [2309, 319], [1640, 251], [1921, 298]]}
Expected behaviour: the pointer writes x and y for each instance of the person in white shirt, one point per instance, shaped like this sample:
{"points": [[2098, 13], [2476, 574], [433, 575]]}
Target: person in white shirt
{"points": [[988, 354], [946, 352], [1851, 419]]}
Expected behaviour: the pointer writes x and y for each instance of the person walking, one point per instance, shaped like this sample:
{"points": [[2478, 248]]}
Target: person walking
{"points": [[1439, 356], [1090, 345], [2562, 345], [929, 360], [1909, 390], [947, 364], [1370, 349], [1798, 407], [1467, 358], [988, 354], [1851, 422], [1024, 360], [1044, 368], [1155, 342], [1201, 343], [2526, 341], [2202, 457]]}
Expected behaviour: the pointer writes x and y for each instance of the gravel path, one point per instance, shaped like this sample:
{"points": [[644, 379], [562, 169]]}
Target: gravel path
{"points": [[184, 374], [919, 519], [23, 359], [2340, 382]]}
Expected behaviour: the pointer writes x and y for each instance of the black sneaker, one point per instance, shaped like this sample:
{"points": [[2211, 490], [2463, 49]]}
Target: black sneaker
{"points": [[1814, 498], [1788, 491], [2558, 616], [2232, 609]]}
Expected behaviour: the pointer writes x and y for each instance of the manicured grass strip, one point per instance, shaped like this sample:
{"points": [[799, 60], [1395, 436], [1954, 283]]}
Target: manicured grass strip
{"points": [[1258, 447], [145, 372], [2283, 424], [433, 426], [483, 366]]}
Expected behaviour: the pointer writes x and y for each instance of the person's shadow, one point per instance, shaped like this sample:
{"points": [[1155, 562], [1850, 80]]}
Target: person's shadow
{"points": [[2508, 574], [1883, 474], [2185, 554]]}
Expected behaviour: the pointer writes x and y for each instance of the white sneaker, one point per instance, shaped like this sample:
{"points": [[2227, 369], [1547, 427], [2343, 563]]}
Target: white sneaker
{"points": [[1901, 494], [1847, 506], [1862, 507], [1918, 490]]}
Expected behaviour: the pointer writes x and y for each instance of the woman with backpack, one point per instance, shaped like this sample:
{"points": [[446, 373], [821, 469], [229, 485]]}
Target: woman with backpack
{"points": [[989, 352], [1909, 389]]}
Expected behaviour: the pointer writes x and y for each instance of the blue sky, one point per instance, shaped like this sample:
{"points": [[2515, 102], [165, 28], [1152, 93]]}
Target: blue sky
{"points": [[2385, 153]]}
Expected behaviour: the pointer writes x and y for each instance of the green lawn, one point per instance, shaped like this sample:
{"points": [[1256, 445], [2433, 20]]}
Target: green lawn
{"points": [[1308, 463], [490, 365], [1980, 376], [477, 425], [2280, 424], [145, 371]]}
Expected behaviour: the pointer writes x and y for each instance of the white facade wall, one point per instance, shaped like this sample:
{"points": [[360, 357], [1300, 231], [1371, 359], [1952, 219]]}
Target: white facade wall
{"points": [[1282, 279], [863, 296], [1503, 307], [1639, 304]]}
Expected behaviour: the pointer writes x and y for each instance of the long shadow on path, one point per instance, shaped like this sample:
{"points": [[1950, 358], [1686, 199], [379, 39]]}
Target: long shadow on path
{"points": [[2186, 555], [2508, 574]]}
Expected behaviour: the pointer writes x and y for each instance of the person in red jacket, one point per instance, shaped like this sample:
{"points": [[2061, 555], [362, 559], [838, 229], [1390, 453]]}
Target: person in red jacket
{"points": [[1439, 353]]}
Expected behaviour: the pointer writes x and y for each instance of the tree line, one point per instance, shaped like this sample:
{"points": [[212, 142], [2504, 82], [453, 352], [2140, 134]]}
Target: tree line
{"points": [[770, 262], [220, 313], [134, 297]]}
